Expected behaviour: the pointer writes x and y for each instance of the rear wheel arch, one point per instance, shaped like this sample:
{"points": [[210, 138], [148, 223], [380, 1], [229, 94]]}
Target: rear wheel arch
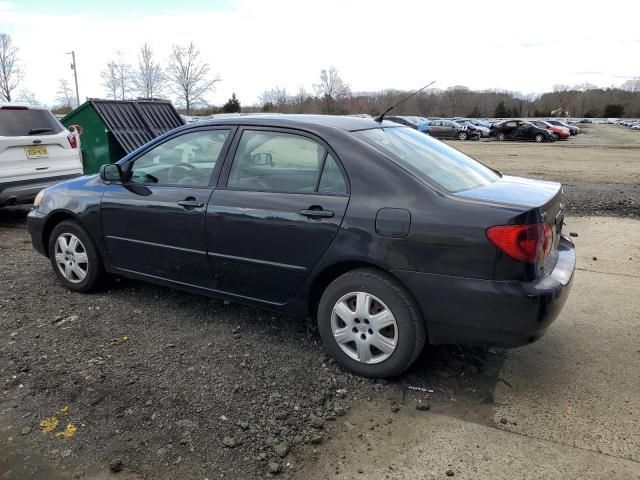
{"points": [[329, 274]]}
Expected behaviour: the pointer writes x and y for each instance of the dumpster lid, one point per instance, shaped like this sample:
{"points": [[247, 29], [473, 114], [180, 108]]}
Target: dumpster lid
{"points": [[135, 122]]}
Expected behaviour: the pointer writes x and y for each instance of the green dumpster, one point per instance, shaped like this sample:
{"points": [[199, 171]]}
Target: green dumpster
{"points": [[110, 129]]}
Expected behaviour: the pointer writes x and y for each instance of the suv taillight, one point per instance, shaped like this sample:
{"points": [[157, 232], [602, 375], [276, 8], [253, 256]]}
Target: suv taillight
{"points": [[73, 140], [526, 243]]}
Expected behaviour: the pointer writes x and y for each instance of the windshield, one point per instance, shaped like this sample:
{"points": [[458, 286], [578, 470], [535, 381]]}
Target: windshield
{"points": [[21, 122], [428, 159]]}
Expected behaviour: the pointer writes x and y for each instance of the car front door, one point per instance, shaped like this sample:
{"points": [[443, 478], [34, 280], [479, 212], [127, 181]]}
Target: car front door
{"points": [[279, 206], [154, 221]]}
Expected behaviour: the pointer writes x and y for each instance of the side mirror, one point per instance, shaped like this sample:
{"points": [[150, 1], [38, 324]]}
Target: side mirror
{"points": [[111, 173], [262, 159]]}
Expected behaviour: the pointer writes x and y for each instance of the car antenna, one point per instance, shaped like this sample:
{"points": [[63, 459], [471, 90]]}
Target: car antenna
{"points": [[379, 118]]}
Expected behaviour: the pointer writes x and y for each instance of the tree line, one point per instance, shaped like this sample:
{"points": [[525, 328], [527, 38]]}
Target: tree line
{"points": [[187, 80], [586, 101]]}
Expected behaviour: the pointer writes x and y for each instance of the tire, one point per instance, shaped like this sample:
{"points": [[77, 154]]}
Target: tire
{"points": [[539, 138], [462, 136], [500, 137], [555, 136], [71, 251], [402, 333]]}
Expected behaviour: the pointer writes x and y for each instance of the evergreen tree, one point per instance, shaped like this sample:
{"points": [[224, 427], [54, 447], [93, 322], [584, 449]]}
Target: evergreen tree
{"points": [[501, 111], [232, 105]]}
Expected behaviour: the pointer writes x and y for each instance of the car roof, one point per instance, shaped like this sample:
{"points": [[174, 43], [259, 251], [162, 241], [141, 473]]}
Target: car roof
{"points": [[295, 120], [25, 105]]}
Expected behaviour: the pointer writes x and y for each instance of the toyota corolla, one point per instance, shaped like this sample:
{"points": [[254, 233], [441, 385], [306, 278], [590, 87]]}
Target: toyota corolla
{"points": [[389, 238]]}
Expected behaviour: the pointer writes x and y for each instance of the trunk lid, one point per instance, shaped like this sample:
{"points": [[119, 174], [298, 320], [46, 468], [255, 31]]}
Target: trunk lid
{"points": [[540, 201]]}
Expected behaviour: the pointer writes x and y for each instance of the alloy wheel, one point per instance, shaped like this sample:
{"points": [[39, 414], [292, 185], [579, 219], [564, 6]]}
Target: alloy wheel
{"points": [[364, 327], [71, 258]]}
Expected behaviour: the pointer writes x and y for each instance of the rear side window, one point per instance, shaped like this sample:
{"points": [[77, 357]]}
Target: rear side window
{"points": [[332, 180], [276, 161], [22, 123]]}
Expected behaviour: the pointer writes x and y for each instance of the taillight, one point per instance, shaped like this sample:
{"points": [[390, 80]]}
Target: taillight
{"points": [[526, 243], [73, 141]]}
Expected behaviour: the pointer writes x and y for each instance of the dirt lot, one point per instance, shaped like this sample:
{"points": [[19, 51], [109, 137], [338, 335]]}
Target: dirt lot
{"points": [[600, 167], [163, 384]]}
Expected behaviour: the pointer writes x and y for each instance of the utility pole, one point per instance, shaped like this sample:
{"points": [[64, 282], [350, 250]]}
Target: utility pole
{"points": [[75, 74]]}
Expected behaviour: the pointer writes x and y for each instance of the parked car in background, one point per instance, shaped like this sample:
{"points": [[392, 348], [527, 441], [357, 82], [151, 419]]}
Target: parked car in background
{"points": [[449, 129], [402, 120], [387, 237], [484, 131], [557, 131], [35, 151], [520, 130], [573, 130]]}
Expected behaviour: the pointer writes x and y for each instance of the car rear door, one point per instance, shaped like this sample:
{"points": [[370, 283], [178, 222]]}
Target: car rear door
{"points": [[153, 223], [281, 200], [33, 144]]}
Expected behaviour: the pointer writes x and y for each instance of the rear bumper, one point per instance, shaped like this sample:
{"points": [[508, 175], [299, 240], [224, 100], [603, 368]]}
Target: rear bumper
{"points": [[492, 313], [24, 191]]}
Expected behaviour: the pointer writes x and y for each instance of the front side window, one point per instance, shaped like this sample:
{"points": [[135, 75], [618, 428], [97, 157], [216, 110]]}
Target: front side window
{"points": [[428, 159], [187, 160], [283, 162]]}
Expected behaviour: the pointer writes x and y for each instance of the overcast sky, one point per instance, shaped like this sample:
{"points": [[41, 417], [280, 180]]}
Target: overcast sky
{"points": [[255, 45]]}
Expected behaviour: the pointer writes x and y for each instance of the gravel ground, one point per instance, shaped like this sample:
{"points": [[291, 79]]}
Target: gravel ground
{"points": [[167, 384], [162, 384]]}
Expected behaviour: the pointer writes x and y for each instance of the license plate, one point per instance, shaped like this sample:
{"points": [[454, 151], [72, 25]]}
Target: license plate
{"points": [[38, 151]]}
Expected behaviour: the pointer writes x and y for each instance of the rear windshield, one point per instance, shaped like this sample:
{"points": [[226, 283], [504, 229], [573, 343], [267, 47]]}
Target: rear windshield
{"points": [[18, 123], [428, 159]]}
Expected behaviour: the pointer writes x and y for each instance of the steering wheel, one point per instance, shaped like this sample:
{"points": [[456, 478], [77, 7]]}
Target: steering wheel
{"points": [[175, 177]]}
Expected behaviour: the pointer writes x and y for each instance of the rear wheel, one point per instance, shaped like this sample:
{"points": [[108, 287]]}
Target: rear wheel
{"points": [[539, 138], [462, 136], [74, 258], [370, 324], [556, 136]]}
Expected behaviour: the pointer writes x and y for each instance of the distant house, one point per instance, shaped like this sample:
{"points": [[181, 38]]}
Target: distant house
{"points": [[113, 128]]}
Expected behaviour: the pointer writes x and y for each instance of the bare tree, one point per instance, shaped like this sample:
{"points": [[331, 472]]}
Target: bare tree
{"points": [[27, 96], [148, 78], [65, 96], [631, 85], [11, 72], [276, 96], [188, 76], [117, 78], [331, 85]]}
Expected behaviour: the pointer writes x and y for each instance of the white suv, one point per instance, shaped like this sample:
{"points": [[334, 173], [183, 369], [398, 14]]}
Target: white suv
{"points": [[35, 151]]}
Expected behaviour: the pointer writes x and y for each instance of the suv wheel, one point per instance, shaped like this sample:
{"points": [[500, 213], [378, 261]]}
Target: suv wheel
{"points": [[370, 324], [74, 257]]}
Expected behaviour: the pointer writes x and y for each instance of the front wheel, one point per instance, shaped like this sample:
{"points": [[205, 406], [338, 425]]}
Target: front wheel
{"points": [[370, 324], [74, 258], [539, 138], [500, 137], [462, 135], [556, 136]]}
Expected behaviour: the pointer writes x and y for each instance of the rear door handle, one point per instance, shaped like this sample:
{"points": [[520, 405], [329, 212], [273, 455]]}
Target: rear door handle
{"points": [[317, 213], [190, 203]]}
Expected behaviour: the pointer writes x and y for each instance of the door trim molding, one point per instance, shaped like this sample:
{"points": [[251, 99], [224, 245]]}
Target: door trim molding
{"points": [[255, 261], [153, 244]]}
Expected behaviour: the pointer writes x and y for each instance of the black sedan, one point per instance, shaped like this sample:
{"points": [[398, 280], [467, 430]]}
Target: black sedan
{"points": [[520, 130], [388, 237]]}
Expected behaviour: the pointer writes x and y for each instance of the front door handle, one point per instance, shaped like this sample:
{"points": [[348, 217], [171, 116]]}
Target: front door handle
{"points": [[319, 213], [190, 202]]}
